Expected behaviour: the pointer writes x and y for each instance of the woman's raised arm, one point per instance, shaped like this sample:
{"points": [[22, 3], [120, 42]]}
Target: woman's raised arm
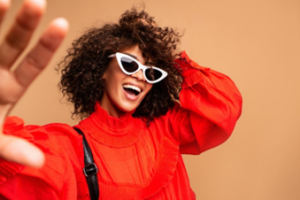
{"points": [[13, 83], [210, 105]]}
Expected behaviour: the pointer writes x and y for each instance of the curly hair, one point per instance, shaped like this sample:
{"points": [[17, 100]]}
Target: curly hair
{"points": [[87, 60]]}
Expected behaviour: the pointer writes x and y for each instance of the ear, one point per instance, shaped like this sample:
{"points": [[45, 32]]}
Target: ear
{"points": [[104, 75]]}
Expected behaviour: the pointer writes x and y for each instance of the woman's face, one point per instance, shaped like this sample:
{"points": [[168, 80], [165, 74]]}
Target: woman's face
{"points": [[124, 93]]}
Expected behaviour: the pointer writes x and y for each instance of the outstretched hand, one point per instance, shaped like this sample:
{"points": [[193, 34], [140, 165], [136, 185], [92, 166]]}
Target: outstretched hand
{"points": [[13, 83]]}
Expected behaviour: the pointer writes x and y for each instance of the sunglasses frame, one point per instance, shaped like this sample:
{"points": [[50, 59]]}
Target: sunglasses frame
{"points": [[140, 66]]}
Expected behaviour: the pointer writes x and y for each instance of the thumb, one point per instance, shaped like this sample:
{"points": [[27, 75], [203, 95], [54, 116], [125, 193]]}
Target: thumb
{"points": [[20, 151]]}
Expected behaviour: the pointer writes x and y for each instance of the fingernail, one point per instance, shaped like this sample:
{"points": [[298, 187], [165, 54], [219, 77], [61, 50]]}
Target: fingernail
{"points": [[61, 22]]}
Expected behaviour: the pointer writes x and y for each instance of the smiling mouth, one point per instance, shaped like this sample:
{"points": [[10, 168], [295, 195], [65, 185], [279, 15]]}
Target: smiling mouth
{"points": [[132, 90]]}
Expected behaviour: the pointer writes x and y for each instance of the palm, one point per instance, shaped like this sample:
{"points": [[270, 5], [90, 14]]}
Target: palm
{"points": [[14, 83]]}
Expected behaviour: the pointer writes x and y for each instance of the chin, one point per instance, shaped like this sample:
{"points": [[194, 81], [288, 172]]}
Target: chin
{"points": [[127, 108]]}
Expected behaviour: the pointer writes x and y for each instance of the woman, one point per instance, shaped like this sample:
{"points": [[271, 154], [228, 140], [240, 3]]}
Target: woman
{"points": [[124, 81]]}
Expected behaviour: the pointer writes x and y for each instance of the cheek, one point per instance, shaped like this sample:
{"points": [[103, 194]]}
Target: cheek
{"points": [[114, 76], [148, 87]]}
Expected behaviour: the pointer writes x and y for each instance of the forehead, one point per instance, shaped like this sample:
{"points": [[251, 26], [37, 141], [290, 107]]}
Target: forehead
{"points": [[136, 53]]}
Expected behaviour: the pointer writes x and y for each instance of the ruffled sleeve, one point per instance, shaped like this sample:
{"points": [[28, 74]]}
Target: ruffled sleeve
{"points": [[55, 180], [210, 105]]}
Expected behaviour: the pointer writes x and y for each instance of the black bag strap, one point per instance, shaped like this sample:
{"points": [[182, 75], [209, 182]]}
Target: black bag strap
{"points": [[90, 170]]}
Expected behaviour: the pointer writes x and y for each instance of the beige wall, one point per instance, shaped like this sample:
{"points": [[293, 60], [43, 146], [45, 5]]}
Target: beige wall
{"points": [[256, 43]]}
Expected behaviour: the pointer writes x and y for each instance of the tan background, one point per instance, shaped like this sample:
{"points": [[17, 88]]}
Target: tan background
{"points": [[256, 43]]}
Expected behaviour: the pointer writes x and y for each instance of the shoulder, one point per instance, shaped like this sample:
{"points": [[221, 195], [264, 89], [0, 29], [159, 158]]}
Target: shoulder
{"points": [[13, 125], [54, 136]]}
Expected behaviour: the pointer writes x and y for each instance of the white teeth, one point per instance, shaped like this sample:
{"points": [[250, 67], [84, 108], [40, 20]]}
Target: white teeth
{"points": [[132, 87]]}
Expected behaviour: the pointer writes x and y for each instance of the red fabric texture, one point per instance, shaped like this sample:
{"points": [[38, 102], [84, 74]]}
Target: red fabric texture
{"points": [[135, 161]]}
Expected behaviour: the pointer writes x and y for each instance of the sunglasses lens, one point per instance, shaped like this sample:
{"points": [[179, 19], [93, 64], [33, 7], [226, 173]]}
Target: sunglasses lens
{"points": [[129, 65], [153, 74]]}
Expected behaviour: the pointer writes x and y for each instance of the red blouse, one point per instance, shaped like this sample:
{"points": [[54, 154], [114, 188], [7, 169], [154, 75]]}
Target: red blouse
{"points": [[134, 161]]}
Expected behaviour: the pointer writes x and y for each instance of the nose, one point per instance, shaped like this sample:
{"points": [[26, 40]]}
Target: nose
{"points": [[139, 75]]}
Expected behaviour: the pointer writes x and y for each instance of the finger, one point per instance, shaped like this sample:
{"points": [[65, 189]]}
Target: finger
{"points": [[20, 151], [21, 31], [41, 54], [4, 4]]}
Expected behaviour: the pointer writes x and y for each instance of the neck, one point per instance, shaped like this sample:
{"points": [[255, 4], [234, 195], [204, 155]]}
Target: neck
{"points": [[111, 109]]}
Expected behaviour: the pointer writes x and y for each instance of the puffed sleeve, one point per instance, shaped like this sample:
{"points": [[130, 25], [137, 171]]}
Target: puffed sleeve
{"points": [[55, 180], [210, 105]]}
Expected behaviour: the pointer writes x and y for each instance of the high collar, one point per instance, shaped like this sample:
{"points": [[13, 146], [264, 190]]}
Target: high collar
{"points": [[112, 131], [121, 123]]}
